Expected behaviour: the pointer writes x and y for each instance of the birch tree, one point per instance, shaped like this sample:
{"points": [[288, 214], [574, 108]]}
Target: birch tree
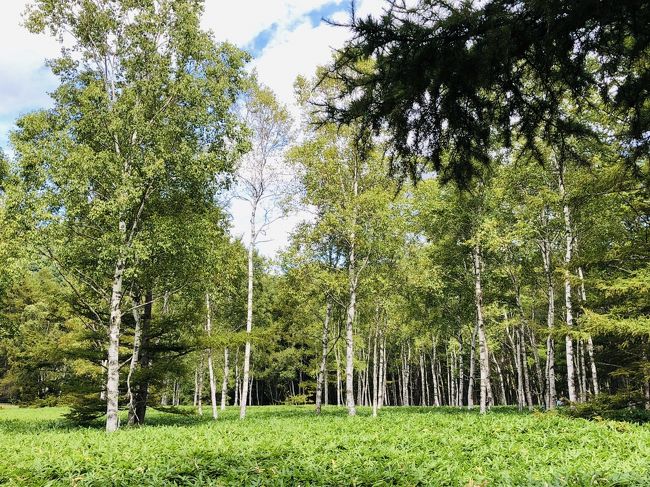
{"points": [[144, 107], [260, 177]]}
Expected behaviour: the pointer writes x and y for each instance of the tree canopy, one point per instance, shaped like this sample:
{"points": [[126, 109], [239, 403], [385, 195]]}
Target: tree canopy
{"points": [[448, 78]]}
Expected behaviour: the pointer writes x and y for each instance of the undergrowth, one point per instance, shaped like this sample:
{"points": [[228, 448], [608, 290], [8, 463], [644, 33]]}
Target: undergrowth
{"points": [[291, 446]]}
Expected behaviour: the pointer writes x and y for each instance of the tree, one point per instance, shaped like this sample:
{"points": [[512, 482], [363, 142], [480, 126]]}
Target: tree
{"points": [[260, 178], [143, 112], [450, 76], [344, 181]]}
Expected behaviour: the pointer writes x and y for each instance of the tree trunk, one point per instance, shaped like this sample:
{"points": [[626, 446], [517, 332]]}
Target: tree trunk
{"points": [[349, 337], [224, 384], [196, 385], [338, 376], [381, 375], [568, 235], [237, 377], [142, 393], [646, 382], [434, 377], [375, 374], [538, 368], [383, 398], [590, 342], [472, 360], [582, 370], [524, 365], [482, 338], [461, 372], [213, 384], [516, 348], [502, 384], [551, 395], [323, 360], [249, 317], [406, 370], [422, 381], [113, 362], [135, 356], [199, 386], [326, 389], [441, 384], [399, 396], [592, 363], [102, 393], [453, 378], [360, 384], [351, 311]]}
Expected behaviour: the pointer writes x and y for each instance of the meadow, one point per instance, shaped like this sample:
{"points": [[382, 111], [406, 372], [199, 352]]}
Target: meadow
{"points": [[291, 446]]}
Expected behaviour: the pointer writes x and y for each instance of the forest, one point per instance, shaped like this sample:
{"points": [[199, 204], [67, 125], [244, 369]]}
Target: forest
{"points": [[470, 270]]}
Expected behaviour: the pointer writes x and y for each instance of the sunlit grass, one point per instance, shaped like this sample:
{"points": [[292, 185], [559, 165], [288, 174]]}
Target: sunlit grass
{"points": [[291, 446]]}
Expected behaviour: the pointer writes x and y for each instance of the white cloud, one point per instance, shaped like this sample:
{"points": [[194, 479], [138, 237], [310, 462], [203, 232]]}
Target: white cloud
{"points": [[24, 81], [240, 21], [300, 50], [297, 52]]}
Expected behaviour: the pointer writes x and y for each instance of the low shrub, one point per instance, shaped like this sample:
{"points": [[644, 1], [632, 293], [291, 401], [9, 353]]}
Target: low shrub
{"points": [[297, 400], [624, 406]]}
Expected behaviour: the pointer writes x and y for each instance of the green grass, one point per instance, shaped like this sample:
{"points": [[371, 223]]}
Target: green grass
{"points": [[291, 446]]}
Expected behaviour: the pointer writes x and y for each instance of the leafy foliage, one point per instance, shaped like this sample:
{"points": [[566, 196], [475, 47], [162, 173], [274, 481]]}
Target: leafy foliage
{"points": [[288, 445], [623, 406], [450, 78]]}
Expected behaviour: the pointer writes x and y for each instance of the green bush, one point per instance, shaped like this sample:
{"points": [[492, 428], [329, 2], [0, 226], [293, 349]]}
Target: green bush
{"points": [[85, 409], [297, 400], [624, 406]]}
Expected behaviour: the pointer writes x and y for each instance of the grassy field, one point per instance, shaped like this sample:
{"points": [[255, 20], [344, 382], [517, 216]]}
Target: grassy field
{"points": [[291, 446]]}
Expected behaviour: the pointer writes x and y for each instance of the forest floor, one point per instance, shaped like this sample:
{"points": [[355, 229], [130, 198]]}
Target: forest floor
{"points": [[287, 445]]}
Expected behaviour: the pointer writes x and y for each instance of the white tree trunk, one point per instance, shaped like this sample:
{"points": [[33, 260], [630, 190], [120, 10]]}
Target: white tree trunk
{"points": [[323, 360], [423, 384], [237, 377], [338, 376], [590, 342], [524, 365], [551, 395], [196, 387], [592, 362], [375, 375], [516, 348], [383, 398], [461, 372], [472, 366], [502, 384], [568, 308], [484, 358], [381, 374], [224, 384], [213, 385], [137, 338], [349, 337], [249, 316], [113, 362], [646, 383], [434, 375], [199, 386]]}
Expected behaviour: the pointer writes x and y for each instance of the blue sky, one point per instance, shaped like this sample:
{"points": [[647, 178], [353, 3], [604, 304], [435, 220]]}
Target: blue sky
{"points": [[287, 38]]}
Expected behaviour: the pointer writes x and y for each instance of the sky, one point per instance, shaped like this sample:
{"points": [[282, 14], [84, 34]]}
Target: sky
{"points": [[286, 38]]}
